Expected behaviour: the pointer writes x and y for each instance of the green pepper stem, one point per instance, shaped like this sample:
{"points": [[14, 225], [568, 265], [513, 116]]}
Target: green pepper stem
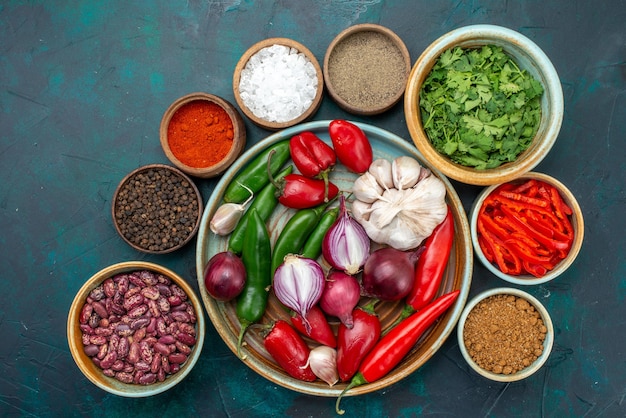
{"points": [[242, 332], [406, 312], [357, 380]]}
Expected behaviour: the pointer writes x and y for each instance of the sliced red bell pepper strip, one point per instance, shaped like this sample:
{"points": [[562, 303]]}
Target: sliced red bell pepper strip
{"points": [[547, 241], [518, 197]]}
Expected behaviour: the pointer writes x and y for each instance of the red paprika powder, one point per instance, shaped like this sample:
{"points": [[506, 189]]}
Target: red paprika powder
{"points": [[200, 134]]}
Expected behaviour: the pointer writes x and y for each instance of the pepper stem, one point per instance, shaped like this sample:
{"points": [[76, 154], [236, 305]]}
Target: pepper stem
{"points": [[406, 312], [269, 170], [357, 380], [242, 332]]}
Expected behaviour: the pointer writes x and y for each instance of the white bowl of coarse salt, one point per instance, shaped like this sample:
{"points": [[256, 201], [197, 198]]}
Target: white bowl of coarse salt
{"points": [[278, 83]]}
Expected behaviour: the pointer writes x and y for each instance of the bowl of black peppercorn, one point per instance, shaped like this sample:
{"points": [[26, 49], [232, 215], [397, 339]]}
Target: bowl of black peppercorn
{"points": [[157, 209]]}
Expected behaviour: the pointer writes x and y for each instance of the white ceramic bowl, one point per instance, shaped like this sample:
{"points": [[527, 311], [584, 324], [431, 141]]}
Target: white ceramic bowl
{"points": [[576, 220], [529, 57], [547, 343]]}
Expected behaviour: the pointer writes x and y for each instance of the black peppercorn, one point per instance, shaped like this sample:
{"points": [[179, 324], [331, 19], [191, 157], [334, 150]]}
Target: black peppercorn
{"points": [[148, 210]]}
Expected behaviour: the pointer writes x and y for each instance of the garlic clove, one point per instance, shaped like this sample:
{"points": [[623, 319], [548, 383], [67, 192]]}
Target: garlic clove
{"points": [[323, 363], [226, 218], [405, 172], [366, 188], [381, 170]]}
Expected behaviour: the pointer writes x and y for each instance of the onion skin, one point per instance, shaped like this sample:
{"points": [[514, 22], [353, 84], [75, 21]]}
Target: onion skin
{"points": [[346, 245], [341, 295], [388, 273], [224, 276], [298, 284]]}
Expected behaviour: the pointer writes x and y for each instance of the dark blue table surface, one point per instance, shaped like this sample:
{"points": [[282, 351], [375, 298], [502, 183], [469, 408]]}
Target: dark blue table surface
{"points": [[83, 86]]}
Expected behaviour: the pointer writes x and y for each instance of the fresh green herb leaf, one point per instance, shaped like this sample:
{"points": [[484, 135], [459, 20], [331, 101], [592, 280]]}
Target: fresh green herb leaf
{"points": [[479, 108]]}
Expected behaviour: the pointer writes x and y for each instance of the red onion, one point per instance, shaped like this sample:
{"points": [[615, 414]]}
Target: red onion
{"points": [[224, 276], [341, 295], [298, 284], [388, 273], [346, 245]]}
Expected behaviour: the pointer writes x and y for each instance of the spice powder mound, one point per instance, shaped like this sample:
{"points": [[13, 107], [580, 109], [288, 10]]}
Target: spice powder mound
{"points": [[200, 134], [156, 209], [367, 70], [504, 334]]}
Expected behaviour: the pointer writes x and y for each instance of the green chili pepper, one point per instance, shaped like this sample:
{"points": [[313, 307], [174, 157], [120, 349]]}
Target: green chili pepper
{"points": [[256, 256], [265, 202], [254, 175], [313, 246], [295, 233]]}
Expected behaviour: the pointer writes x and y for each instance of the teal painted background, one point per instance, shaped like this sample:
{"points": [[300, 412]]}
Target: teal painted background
{"points": [[83, 86]]}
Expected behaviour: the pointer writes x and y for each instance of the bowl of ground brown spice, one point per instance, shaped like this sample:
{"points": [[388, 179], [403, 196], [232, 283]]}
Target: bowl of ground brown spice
{"points": [[202, 134], [366, 68], [505, 334], [157, 209]]}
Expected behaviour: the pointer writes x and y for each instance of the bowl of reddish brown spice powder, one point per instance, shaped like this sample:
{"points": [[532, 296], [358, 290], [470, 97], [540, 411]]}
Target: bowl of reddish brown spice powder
{"points": [[505, 334], [366, 68], [202, 134]]}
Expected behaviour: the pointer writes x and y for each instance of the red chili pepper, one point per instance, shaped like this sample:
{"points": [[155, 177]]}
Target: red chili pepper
{"points": [[395, 345], [431, 264], [312, 156], [289, 350], [351, 145], [320, 328], [354, 344], [299, 192]]}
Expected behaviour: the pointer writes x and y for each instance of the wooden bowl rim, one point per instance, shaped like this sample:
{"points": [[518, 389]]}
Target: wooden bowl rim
{"points": [[88, 367], [175, 170], [552, 103], [341, 37], [239, 134], [275, 126]]}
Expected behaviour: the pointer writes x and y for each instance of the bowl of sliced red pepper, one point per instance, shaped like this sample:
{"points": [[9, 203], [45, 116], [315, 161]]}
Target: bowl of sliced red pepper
{"points": [[527, 231]]}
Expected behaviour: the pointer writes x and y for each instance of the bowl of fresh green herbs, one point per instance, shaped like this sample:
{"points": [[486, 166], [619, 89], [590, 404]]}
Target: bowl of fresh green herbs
{"points": [[483, 104]]}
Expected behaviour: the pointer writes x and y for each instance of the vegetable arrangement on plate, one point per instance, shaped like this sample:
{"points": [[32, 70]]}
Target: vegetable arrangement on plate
{"points": [[330, 267]]}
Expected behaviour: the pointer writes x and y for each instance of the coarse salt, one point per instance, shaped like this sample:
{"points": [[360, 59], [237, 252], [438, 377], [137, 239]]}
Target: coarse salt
{"points": [[278, 83]]}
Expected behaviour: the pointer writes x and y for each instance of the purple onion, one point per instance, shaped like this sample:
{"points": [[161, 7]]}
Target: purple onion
{"points": [[298, 284], [341, 295], [346, 245], [224, 276]]}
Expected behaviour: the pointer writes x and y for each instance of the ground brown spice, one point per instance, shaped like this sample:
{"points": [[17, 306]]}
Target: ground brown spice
{"points": [[367, 69], [504, 334]]}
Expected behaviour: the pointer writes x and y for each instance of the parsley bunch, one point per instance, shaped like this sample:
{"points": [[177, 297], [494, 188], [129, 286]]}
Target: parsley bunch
{"points": [[478, 108]]}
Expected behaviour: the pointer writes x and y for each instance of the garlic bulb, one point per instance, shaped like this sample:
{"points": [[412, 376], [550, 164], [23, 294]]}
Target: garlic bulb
{"points": [[404, 215]]}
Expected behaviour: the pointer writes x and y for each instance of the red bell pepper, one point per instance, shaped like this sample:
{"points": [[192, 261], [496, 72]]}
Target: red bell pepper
{"points": [[320, 328], [289, 350], [351, 145], [299, 192], [354, 344], [431, 264], [395, 345], [312, 156]]}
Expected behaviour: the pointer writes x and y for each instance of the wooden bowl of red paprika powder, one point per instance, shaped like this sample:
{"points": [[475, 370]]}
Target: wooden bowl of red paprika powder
{"points": [[202, 134]]}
